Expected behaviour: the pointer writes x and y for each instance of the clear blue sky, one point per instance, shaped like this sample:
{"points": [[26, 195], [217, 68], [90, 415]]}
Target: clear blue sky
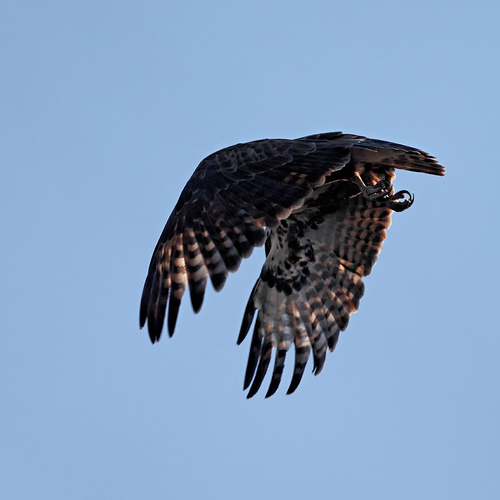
{"points": [[106, 109]]}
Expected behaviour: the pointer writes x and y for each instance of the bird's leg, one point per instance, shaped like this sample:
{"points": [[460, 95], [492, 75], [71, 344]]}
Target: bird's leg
{"points": [[381, 190]]}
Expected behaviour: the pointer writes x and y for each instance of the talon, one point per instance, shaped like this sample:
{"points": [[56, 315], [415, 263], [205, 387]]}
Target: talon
{"points": [[400, 201]]}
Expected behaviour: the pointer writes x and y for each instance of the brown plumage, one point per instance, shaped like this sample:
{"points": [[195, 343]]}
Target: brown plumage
{"points": [[321, 204]]}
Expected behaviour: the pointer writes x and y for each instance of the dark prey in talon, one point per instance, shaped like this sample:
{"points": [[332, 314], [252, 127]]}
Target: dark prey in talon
{"points": [[321, 204]]}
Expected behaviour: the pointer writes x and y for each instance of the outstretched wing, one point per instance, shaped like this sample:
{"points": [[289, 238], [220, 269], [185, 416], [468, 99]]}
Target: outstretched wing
{"points": [[221, 215], [312, 281]]}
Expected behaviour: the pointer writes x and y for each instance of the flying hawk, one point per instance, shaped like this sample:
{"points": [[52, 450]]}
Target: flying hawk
{"points": [[321, 204]]}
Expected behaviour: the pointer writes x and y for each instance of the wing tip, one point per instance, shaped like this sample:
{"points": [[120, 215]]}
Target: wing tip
{"points": [[154, 330]]}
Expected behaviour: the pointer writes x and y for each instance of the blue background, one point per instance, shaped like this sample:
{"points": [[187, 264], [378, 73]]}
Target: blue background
{"points": [[106, 109]]}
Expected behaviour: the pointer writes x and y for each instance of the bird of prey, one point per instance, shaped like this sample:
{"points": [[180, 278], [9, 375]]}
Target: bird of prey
{"points": [[321, 204]]}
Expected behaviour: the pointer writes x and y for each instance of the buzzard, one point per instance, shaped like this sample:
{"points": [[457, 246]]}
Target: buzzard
{"points": [[321, 204]]}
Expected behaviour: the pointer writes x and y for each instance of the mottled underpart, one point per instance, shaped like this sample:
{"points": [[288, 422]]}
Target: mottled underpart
{"points": [[315, 263]]}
